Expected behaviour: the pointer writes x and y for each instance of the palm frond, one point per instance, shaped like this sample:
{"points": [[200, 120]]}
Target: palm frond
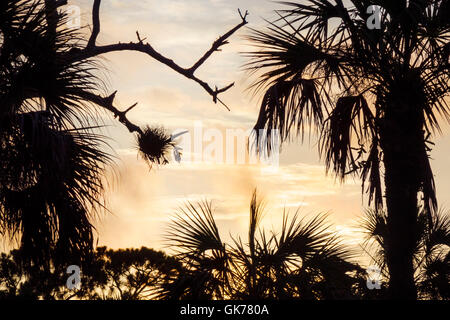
{"points": [[350, 119], [256, 212], [302, 238], [304, 261], [194, 235], [287, 106], [194, 229], [371, 173], [58, 187], [53, 159]]}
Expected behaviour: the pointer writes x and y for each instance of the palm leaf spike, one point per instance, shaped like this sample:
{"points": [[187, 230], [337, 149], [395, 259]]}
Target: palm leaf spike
{"points": [[176, 149]]}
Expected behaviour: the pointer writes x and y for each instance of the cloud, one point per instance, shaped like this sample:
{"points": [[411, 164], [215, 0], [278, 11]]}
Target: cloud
{"points": [[143, 200]]}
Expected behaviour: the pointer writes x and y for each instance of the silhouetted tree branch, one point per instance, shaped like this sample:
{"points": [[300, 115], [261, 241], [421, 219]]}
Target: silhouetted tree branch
{"points": [[95, 24], [107, 103], [219, 42], [92, 50]]}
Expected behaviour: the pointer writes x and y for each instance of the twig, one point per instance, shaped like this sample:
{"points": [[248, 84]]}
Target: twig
{"points": [[95, 24], [141, 41], [108, 103], [219, 42]]}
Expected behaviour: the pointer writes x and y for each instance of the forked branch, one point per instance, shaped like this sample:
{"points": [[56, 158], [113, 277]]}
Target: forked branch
{"points": [[92, 50], [108, 104]]}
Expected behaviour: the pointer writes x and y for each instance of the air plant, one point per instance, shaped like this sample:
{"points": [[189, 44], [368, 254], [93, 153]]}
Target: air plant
{"points": [[154, 145]]}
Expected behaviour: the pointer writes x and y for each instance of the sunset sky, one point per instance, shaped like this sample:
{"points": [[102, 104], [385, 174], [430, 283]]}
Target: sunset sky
{"points": [[141, 201]]}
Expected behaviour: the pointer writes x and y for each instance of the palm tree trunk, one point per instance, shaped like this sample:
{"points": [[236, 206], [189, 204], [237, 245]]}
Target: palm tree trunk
{"points": [[402, 138]]}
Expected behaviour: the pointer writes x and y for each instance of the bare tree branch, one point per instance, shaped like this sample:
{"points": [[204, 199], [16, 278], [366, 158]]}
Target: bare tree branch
{"points": [[149, 50], [107, 103], [139, 38], [92, 50], [219, 42], [95, 24], [60, 3]]}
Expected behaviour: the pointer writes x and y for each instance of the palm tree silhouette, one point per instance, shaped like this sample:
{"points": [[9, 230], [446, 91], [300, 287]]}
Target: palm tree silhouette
{"points": [[302, 261], [375, 97], [52, 160], [431, 260]]}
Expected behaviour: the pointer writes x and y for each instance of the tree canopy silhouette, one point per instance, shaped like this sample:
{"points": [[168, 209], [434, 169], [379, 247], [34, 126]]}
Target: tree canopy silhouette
{"points": [[302, 260], [123, 274]]}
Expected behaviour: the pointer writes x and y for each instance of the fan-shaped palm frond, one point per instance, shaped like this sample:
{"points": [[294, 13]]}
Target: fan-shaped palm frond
{"points": [[351, 59], [304, 261], [195, 236], [351, 119], [59, 186]]}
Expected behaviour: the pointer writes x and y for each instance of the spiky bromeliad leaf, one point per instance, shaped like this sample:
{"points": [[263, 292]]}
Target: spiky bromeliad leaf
{"points": [[154, 145]]}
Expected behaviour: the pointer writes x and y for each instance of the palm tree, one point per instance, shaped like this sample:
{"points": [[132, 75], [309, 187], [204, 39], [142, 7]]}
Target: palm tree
{"points": [[52, 159], [375, 97], [303, 261], [431, 259], [52, 155]]}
